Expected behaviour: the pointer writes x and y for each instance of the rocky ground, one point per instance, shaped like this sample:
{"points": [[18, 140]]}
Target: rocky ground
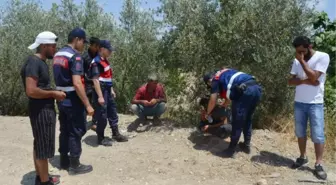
{"points": [[159, 155]]}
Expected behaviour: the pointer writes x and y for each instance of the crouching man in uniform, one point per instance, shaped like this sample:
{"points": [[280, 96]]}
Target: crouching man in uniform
{"points": [[245, 94], [104, 95]]}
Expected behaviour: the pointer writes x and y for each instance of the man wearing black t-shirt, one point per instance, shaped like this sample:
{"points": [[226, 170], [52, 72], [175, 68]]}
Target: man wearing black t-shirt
{"points": [[87, 58], [36, 81]]}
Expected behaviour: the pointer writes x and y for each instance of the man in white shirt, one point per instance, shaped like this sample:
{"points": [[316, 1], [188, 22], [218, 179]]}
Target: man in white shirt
{"points": [[309, 75]]}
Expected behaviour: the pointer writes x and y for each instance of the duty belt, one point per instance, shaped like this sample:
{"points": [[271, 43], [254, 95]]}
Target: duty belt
{"points": [[66, 89]]}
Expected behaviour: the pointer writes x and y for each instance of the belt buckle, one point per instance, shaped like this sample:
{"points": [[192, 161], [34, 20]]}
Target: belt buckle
{"points": [[242, 87]]}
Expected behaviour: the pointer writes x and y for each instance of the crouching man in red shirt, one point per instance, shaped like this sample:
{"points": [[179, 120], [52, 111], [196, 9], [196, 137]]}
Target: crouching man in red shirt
{"points": [[150, 99]]}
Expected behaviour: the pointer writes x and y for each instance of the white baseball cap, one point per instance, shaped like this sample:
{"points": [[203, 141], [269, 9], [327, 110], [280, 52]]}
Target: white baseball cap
{"points": [[45, 37]]}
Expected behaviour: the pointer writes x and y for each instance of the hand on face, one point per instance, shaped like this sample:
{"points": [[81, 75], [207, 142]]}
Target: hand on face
{"points": [[302, 53], [299, 56]]}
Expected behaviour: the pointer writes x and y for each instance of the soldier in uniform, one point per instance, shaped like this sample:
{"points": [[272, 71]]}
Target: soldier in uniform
{"points": [[244, 93], [69, 78], [104, 95]]}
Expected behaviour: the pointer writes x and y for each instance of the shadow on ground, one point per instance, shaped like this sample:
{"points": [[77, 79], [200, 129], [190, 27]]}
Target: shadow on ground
{"points": [[91, 140], [163, 124], [209, 143], [28, 178], [274, 159], [55, 162]]}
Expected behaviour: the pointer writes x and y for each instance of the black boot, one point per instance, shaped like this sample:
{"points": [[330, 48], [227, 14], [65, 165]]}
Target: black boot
{"points": [[104, 141], [64, 162], [230, 152], [77, 168], [246, 148], [117, 136], [47, 183]]}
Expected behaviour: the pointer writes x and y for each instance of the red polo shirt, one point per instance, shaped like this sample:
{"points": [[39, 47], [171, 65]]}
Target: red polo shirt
{"points": [[143, 94]]}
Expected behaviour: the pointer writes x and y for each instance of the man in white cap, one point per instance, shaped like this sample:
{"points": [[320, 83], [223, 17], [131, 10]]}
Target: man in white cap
{"points": [[36, 81]]}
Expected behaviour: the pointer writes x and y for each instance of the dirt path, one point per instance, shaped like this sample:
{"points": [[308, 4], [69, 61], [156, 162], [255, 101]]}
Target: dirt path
{"points": [[161, 155]]}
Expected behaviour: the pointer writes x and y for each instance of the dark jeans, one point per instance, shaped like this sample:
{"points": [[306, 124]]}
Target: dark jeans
{"points": [[142, 111], [242, 112], [72, 120], [106, 112]]}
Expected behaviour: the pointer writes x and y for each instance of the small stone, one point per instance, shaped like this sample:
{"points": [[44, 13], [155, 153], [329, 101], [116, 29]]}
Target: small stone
{"points": [[273, 175], [262, 182]]}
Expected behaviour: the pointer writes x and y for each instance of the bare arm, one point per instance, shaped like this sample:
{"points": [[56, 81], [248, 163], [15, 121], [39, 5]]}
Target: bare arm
{"points": [[135, 101], [312, 74], [226, 103], [212, 103], [33, 91], [77, 82], [296, 81], [97, 87], [218, 124]]}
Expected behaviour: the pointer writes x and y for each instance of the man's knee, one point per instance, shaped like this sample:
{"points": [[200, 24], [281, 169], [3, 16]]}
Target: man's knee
{"points": [[136, 109], [161, 108], [300, 132], [316, 116], [317, 132], [318, 138]]}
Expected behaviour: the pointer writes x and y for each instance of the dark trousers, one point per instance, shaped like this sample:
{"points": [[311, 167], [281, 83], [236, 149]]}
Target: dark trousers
{"points": [[43, 123], [72, 128], [89, 93], [106, 112], [242, 111]]}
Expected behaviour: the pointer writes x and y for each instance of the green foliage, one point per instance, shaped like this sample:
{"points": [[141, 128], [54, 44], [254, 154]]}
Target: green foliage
{"points": [[253, 36], [325, 40]]}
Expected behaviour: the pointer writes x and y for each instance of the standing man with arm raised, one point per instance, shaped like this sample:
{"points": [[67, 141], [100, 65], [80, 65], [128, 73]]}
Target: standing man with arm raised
{"points": [[36, 80], [308, 75], [69, 77]]}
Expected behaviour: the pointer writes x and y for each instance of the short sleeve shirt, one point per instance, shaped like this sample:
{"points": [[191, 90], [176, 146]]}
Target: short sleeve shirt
{"points": [[87, 58], [307, 93], [67, 62], [38, 69], [143, 94]]}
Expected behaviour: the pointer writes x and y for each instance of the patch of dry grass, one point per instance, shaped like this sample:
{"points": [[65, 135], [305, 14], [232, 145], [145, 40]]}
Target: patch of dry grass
{"points": [[285, 124]]}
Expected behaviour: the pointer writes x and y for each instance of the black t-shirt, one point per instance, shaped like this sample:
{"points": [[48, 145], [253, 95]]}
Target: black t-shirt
{"points": [[87, 58], [38, 69]]}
